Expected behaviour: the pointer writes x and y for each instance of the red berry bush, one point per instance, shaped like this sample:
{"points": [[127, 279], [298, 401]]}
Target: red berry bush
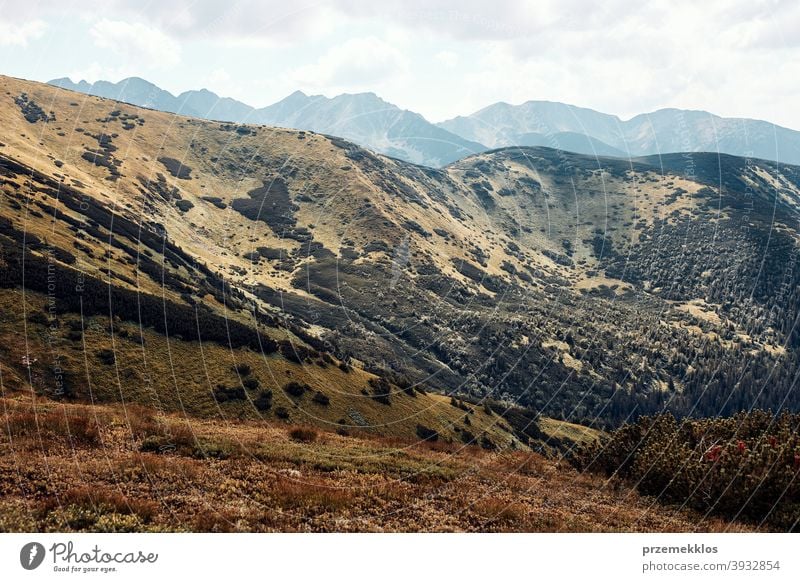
{"points": [[743, 467]]}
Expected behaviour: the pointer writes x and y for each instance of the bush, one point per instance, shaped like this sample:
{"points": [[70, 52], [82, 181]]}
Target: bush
{"points": [[746, 466], [251, 383], [264, 400], [321, 398], [223, 393], [282, 413], [184, 205], [242, 369], [486, 443], [427, 434], [303, 434], [39, 317], [296, 389], [295, 352], [381, 389], [106, 356]]}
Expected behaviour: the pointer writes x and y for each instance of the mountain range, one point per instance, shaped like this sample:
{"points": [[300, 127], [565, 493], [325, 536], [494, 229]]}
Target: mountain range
{"points": [[567, 127], [363, 118], [371, 122], [622, 286], [335, 332]]}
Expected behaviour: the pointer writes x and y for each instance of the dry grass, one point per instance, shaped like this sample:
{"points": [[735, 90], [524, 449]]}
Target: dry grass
{"points": [[181, 376], [268, 481], [73, 426], [303, 434]]}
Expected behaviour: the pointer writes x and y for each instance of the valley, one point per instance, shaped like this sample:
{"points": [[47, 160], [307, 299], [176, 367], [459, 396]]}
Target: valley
{"points": [[251, 283]]}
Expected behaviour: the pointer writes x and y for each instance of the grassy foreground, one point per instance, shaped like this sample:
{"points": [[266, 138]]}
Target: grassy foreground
{"points": [[77, 467]]}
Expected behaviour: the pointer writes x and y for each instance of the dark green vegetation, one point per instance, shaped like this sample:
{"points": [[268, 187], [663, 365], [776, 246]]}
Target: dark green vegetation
{"points": [[638, 353], [743, 467]]}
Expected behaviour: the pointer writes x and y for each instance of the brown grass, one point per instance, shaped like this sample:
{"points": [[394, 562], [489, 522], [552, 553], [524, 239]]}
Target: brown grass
{"points": [[103, 500], [74, 426], [500, 511], [303, 434], [257, 476], [297, 494]]}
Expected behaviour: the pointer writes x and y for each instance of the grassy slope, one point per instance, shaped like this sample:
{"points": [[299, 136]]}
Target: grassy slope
{"points": [[173, 375], [254, 476]]}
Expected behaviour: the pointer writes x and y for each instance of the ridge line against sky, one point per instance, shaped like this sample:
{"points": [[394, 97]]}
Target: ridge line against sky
{"points": [[733, 58], [621, 119]]}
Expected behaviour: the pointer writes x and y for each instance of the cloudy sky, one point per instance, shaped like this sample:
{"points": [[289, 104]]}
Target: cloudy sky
{"points": [[731, 57]]}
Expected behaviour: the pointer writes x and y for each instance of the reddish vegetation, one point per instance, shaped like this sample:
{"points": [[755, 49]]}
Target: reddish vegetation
{"points": [[70, 467], [744, 467]]}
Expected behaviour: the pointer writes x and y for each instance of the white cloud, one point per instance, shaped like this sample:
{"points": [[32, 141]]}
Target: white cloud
{"points": [[19, 34], [733, 57], [250, 22], [137, 43], [447, 58], [218, 76], [357, 63]]}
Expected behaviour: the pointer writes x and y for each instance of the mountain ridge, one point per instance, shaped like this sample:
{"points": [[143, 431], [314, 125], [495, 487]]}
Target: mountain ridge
{"points": [[666, 130], [372, 122], [525, 275], [361, 117]]}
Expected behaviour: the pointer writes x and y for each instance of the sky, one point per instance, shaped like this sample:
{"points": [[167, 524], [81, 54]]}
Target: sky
{"points": [[736, 58]]}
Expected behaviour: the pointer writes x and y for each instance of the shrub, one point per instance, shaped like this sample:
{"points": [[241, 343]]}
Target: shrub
{"points": [[427, 434], [295, 352], [295, 389], [746, 466], [467, 437], [321, 398], [264, 400], [282, 413], [381, 389], [223, 393], [184, 205], [106, 356], [251, 383], [303, 434], [39, 317], [242, 369]]}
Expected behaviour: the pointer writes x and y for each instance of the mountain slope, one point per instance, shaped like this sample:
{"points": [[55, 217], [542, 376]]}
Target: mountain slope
{"points": [[584, 288], [663, 131], [251, 477], [501, 124], [569, 141], [131, 90], [209, 105], [363, 118], [103, 262]]}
